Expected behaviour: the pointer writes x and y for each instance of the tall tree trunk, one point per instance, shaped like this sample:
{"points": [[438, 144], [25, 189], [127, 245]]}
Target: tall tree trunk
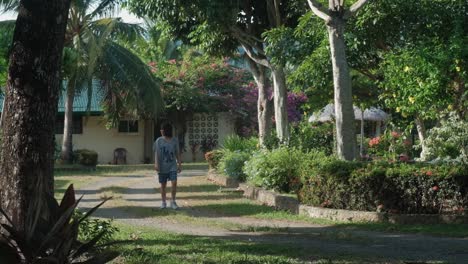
{"points": [[422, 136], [26, 167], [345, 128], [280, 95], [67, 140], [264, 104]]}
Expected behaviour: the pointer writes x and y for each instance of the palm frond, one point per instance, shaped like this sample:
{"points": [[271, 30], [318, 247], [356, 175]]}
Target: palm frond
{"points": [[8, 5], [120, 29], [134, 78], [106, 8]]}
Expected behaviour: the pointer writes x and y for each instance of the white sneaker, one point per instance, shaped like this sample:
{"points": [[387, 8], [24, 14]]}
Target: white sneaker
{"points": [[174, 205], [163, 205]]}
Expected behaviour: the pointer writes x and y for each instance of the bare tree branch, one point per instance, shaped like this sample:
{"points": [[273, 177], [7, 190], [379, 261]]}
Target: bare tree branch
{"points": [[319, 10], [239, 32], [355, 8], [248, 40], [255, 57]]}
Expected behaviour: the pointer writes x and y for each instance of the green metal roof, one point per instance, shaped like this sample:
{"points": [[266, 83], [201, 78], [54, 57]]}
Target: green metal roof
{"points": [[79, 103]]}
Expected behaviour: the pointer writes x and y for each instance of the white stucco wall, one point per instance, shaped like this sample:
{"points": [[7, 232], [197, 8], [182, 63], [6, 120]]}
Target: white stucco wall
{"points": [[96, 137], [225, 127]]}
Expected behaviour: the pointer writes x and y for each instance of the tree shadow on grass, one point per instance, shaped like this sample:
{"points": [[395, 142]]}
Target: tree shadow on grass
{"points": [[232, 209], [197, 188], [234, 249], [131, 212], [287, 246], [117, 190]]}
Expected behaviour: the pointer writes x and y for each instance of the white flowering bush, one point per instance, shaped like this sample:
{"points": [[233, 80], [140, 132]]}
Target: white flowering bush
{"points": [[448, 142]]}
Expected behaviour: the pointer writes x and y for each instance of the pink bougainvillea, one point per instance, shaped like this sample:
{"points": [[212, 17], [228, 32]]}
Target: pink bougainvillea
{"points": [[374, 141], [247, 104]]}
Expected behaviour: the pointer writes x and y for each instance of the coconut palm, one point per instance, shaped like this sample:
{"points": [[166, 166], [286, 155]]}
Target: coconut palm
{"points": [[93, 52]]}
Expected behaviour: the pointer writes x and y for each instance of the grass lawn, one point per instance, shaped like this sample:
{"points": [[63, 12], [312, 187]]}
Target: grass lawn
{"points": [[153, 246], [450, 230], [76, 170], [67, 174]]}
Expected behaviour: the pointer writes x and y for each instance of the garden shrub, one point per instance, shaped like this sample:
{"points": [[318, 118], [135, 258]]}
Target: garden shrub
{"points": [[271, 140], [324, 180], [275, 169], [213, 158], [90, 228], [449, 141], [393, 187], [208, 144], [85, 157], [232, 163], [237, 143], [390, 145], [308, 137]]}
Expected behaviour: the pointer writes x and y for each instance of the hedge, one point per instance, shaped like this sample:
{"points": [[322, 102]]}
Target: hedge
{"points": [[392, 187], [85, 157]]}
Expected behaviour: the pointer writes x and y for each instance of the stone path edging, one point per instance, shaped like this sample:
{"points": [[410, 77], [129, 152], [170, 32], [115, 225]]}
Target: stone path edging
{"points": [[291, 204], [222, 180]]}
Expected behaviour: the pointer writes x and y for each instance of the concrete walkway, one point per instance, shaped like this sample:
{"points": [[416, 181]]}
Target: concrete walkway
{"points": [[137, 202]]}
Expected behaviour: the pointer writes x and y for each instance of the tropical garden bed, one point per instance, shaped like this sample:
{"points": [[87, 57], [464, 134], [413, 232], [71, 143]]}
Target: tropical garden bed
{"points": [[384, 189]]}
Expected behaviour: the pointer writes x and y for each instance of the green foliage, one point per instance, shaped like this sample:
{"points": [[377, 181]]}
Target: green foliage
{"points": [[415, 83], [85, 157], [6, 38], [392, 187], [93, 50], [52, 238], [90, 228], [390, 145], [129, 87], [57, 150], [236, 143], [449, 141], [306, 136], [280, 43], [276, 169], [324, 174], [232, 163], [213, 158], [199, 83]]}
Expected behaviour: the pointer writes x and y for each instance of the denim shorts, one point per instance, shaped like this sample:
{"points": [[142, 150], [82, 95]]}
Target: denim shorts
{"points": [[170, 176]]}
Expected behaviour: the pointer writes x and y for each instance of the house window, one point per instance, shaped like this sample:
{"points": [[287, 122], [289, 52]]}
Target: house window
{"points": [[128, 126], [77, 125]]}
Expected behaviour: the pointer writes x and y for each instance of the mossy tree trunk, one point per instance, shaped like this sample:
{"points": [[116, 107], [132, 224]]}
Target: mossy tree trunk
{"points": [[26, 169]]}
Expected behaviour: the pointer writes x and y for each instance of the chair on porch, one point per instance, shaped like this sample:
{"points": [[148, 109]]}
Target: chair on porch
{"points": [[120, 156]]}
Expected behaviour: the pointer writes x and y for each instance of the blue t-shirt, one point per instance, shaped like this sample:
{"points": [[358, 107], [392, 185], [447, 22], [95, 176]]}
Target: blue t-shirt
{"points": [[166, 151]]}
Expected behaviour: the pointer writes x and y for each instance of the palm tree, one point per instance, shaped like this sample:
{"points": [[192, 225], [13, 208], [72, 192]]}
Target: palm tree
{"points": [[93, 52]]}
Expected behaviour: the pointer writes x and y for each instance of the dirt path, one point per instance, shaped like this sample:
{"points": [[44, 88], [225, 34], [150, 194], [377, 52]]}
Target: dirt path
{"points": [[136, 202]]}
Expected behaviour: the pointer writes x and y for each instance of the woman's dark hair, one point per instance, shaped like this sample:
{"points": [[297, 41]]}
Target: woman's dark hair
{"points": [[166, 129]]}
